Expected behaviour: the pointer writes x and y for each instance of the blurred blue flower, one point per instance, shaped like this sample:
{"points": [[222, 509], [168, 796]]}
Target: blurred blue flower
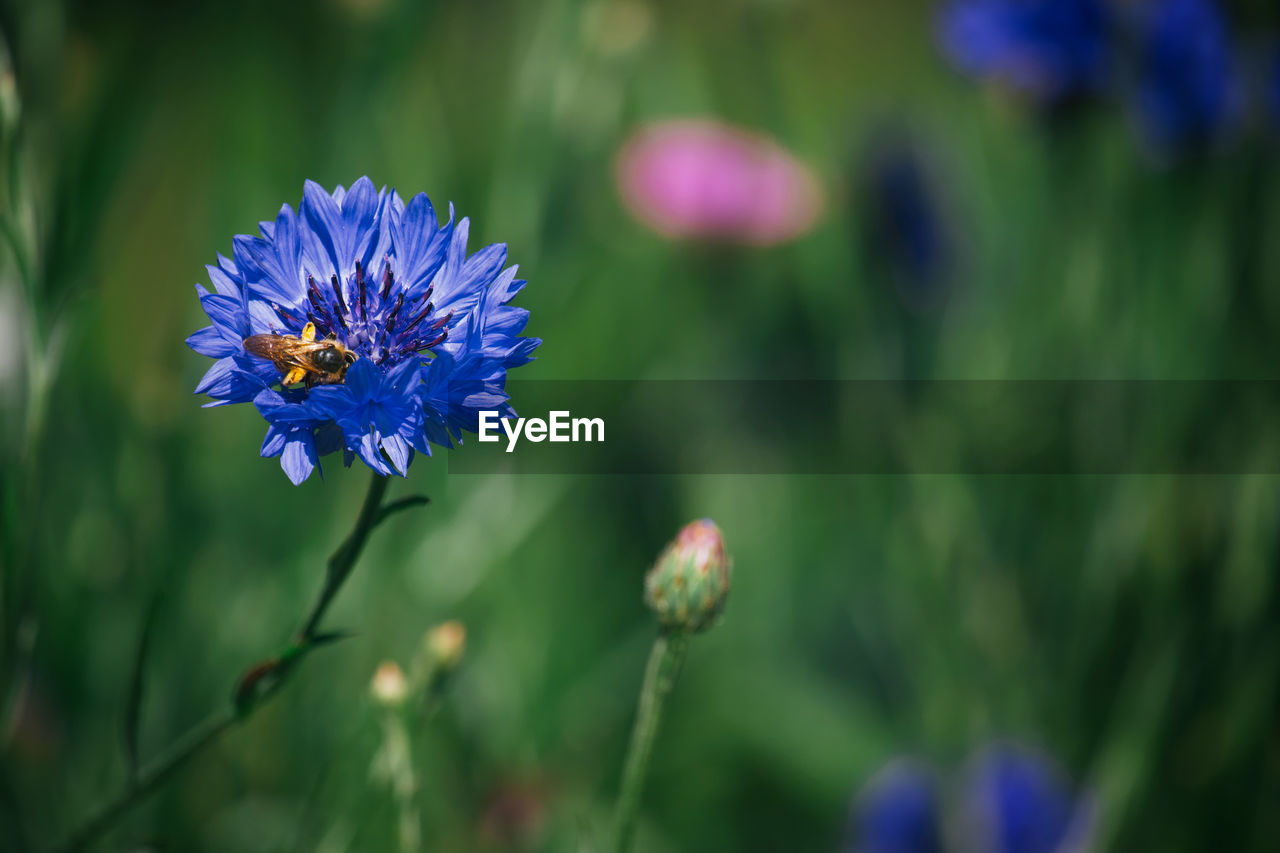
{"points": [[1012, 800], [1051, 51], [908, 229], [431, 329], [1187, 87], [1018, 803], [898, 812]]}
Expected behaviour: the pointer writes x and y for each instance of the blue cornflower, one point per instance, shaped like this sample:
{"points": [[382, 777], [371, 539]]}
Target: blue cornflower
{"points": [[1187, 87], [1051, 51], [908, 227], [429, 330], [1011, 800], [1018, 803], [899, 811]]}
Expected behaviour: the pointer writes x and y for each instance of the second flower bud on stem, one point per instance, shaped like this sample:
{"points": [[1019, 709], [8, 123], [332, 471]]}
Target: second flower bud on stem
{"points": [[687, 589]]}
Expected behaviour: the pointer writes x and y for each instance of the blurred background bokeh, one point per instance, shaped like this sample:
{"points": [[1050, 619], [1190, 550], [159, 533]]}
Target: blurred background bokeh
{"points": [[975, 222]]}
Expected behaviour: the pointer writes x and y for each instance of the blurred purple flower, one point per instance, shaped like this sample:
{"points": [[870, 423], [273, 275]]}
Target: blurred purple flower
{"points": [[1011, 800], [1188, 91], [703, 179], [1048, 50]]}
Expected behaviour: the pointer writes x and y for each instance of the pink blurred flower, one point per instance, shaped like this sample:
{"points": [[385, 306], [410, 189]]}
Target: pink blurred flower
{"points": [[700, 178]]}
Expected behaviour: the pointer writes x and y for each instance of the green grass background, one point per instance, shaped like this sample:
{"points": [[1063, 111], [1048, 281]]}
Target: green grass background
{"points": [[1126, 624]]}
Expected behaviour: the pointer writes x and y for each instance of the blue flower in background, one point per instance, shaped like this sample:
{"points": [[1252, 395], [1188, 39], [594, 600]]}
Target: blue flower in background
{"points": [[1011, 800], [898, 812], [1018, 803], [908, 228], [1049, 50], [1187, 88], [429, 330]]}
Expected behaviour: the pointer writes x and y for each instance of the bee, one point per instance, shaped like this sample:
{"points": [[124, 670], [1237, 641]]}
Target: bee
{"points": [[304, 359]]}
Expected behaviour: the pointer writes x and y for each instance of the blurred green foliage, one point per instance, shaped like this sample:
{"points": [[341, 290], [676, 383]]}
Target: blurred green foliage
{"points": [[1128, 624]]}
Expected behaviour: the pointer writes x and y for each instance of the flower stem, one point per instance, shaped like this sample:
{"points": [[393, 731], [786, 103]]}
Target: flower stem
{"points": [[208, 732], [150, 778], [344, 559], [659, 677]]}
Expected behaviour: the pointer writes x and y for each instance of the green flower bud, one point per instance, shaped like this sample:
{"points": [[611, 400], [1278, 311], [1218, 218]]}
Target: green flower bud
{"points": [[688, 585]]}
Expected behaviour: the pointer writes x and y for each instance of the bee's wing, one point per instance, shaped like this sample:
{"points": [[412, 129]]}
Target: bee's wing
{"points": [[285, 352]]}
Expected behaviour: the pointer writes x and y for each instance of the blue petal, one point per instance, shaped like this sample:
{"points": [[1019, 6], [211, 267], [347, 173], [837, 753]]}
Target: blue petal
{"points": [[448, 278], [397, 451], [232, 379], [211, 342], [299, 457], [277, 410], [419, 247], [367, 449], [358, 210], [264, 320], [330, 401], [362, 379], [217, 376], [223, 283], [274, 441], [319, 230], [225, 312]]}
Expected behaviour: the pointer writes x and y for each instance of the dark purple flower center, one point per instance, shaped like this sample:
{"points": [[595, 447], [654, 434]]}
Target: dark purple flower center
{"points": [[376, 318]]}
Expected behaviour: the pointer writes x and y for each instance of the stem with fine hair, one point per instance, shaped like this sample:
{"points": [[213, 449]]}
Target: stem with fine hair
{"points": [[659, 677], [204, 734]]}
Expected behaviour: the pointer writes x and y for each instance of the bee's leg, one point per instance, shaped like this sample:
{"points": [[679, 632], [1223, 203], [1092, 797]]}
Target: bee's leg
{"points": [[293, 376], [308, 334]]}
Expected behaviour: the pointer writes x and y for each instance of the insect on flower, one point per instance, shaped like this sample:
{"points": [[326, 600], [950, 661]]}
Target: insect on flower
{"points": [[303, 358], [359, 323]]}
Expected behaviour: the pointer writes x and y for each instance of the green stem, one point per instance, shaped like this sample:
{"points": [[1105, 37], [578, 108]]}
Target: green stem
{"points": [[206, 733], [344, 559], [151, 777], [659, 677]]}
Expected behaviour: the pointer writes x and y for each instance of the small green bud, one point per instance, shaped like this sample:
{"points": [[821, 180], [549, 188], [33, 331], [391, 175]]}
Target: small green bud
{"points": [[688, 585]]}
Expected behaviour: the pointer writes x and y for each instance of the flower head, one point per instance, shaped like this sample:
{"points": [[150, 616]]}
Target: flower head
{"points": [[1048, 50], [1187, 90], [706, 180], [689, 583], [428, 329]]}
